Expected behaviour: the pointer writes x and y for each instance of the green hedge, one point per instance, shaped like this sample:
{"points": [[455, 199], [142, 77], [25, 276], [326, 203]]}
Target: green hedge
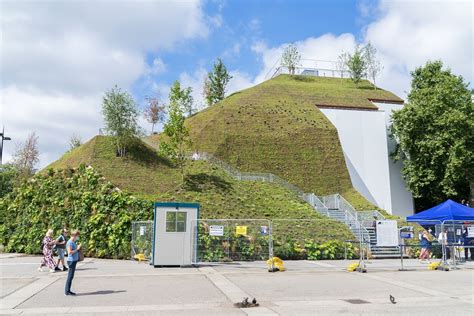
{"points": [[76, 198]]}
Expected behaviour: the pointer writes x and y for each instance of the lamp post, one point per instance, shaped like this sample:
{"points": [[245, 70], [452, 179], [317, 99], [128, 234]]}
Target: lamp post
{"points": [[2, 135]]}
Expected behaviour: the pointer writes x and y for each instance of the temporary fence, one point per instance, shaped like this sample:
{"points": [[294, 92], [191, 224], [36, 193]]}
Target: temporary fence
{"points": [[142, 240], [314, 239], [225, 240]]}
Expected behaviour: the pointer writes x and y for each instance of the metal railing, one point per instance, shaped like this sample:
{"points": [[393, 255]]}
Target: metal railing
{"points": [[310, 67], [324, 205], [248, 176]]}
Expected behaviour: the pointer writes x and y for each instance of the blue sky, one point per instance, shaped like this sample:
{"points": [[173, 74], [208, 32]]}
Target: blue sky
{"points": [[58, 57], [245, 23]]}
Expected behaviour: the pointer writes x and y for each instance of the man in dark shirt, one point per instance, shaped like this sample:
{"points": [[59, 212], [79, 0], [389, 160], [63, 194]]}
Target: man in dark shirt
{"points": [[61, 249]]}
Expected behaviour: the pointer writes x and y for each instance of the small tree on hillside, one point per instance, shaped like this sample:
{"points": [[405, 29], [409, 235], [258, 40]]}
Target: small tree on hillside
{"points": [[373, 65], [290, 58], [120, 115], [176, 142], [216, 83], [341, 63], [435, 135], [74, 142], [26, 157], [356, 64], [154, 112], [187, 101]]}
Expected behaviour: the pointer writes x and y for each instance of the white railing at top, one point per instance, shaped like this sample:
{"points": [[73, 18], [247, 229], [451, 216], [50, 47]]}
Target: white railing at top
{"points": [[311, 71]]}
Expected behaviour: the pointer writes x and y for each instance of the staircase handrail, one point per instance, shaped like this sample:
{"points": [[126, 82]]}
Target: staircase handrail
{"points": [[252, 176], [318, 203]]}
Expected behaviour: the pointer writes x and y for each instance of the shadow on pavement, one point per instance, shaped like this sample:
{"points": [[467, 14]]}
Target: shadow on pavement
{"points": [[104, 292]]}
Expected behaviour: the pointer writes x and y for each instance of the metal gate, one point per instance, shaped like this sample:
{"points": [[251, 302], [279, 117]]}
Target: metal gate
{"points": [[142, 240], [225, 240]]}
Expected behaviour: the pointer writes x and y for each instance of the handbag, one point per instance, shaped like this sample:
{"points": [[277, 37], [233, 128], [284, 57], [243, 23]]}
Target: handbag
{"points": [[81, 255]]}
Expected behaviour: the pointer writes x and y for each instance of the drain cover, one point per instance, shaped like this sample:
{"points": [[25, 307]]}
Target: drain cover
{"points": [[357, 301]]}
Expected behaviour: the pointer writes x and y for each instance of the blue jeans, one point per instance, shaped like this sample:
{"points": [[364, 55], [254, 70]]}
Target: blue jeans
{"points": [[70, 275]]}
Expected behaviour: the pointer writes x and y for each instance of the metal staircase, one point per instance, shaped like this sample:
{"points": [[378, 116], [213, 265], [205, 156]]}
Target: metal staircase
{"points": [[333, 206]]}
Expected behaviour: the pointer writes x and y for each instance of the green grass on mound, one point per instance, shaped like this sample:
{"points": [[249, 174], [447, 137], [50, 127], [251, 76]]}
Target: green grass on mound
{"points": [[276, 127], [146, 174]]}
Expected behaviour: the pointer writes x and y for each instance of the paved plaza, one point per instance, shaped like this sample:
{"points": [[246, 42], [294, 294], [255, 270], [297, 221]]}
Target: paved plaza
{"points": [[114, 287]]}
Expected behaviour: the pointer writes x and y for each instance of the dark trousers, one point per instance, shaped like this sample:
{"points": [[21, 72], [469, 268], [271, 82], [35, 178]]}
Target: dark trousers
{"points": [[466, 250], [70, 275]]}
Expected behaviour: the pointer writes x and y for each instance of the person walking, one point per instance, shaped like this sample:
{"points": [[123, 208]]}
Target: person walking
{"points": [[61, 249], [47, 245], [426, 246], [72, 249]]}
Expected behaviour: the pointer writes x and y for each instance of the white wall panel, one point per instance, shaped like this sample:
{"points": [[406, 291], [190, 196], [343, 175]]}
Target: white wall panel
{"points": [[363, 136]]}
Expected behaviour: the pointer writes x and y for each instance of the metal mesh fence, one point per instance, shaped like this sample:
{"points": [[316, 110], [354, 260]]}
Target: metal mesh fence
{"points": [[225, 240], [142, 240], [313, 239]]}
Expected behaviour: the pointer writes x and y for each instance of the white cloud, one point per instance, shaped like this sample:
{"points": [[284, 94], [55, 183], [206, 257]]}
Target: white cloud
{"points": [[54, 117], [57, 58], [407, 34], [157, 67]]}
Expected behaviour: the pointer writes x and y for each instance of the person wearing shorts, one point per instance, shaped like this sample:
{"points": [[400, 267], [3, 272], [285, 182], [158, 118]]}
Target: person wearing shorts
{"points": [[61, 250]]}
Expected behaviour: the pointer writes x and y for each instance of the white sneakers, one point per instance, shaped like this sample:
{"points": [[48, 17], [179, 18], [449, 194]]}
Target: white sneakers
{"points": [[40, 269]]}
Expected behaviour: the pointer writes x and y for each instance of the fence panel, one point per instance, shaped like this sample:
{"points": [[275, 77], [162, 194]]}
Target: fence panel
{"points": [[226, 240], [142, 239], [313, 239], [458, 236]]}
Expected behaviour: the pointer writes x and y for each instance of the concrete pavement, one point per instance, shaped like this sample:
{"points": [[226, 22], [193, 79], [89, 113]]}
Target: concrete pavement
{"points": [[110, 287]]}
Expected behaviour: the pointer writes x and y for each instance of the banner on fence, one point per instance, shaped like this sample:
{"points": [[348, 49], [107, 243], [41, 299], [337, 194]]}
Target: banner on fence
{"points": [[241, 230], [387, 233], [470, 231], [216, 230]]}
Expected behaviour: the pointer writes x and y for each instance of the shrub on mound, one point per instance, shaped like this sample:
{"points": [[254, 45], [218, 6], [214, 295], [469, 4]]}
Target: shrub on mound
{"points": [[76, 198]]}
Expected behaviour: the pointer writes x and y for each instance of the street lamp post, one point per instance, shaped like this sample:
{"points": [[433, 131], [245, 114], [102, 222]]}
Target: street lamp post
{"points": [[2, 135]]}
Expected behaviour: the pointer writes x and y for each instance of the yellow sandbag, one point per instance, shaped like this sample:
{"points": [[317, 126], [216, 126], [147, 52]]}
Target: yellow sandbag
{"points": [[353, 267], [140, 257], [277, 263], [434, 265]]}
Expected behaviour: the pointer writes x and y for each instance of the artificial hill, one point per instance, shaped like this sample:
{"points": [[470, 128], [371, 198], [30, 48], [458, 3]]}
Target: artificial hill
{"points": [[146, 174], [276, 127], [111, 192]]}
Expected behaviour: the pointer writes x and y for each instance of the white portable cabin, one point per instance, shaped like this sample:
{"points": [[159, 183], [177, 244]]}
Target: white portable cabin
{"points": [[174, 233]]}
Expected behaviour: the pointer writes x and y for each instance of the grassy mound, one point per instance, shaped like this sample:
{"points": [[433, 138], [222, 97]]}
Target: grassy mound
{"points": [[146, 174], [276, 127]]}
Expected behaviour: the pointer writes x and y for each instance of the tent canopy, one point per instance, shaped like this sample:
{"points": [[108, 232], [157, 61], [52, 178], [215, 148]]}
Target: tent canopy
{"points": [[445, 211]]}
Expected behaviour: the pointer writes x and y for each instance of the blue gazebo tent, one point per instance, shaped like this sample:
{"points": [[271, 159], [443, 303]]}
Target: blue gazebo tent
{"points": [[446, 211]]}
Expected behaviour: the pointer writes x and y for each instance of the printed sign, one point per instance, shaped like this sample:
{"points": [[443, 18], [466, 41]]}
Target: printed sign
{"points": [[470, 231], [406, 235], [216, 230], [241, 230], [142, 230], [387, 233], [264, 230]]}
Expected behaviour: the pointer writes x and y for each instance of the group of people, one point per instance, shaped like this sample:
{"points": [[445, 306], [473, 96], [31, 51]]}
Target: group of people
{"points": [[426, 244], [62, 246]]}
